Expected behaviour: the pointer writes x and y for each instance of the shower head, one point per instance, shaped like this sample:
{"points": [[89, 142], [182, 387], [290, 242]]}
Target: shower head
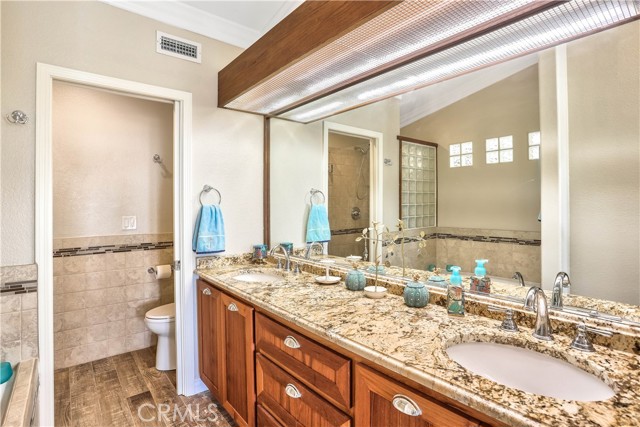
{"points": [[361, 150]]}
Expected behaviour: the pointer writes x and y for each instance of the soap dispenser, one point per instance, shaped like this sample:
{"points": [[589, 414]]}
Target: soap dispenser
{"points": [[455, 293], [479, 281]]}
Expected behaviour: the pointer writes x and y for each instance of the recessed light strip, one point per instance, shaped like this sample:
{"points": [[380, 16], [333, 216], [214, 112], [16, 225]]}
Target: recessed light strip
{"points": [[541, 31]]}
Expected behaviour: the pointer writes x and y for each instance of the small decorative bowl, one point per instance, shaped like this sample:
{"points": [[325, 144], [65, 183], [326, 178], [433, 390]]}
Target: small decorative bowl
{"points": [[375, 292]]}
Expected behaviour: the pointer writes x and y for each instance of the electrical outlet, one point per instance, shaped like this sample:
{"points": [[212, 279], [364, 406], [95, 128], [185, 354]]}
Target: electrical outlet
{"points": [[129, 223]]}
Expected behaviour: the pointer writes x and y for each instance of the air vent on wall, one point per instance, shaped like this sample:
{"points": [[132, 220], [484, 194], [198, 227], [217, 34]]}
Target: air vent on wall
{"points": [[178, 47]]}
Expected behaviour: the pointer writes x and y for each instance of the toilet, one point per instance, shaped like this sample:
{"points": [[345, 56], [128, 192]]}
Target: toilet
{"points": [[162, 322]]}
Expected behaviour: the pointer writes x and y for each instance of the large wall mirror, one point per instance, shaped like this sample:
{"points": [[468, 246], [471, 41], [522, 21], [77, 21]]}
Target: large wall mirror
{"points": [[538, 169]]}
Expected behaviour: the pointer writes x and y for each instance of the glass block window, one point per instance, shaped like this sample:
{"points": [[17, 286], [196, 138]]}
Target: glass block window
{"points": [[534, 145], [500, 150], [418, 181], [461, 155]]}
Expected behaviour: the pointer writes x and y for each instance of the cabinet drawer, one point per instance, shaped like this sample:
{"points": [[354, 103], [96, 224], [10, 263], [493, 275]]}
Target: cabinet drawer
{"points": [[382, 402], [291, 402], [265, 419], [327, 372]]}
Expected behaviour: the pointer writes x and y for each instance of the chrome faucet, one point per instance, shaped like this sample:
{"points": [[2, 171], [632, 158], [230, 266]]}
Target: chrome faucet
{"points": [[562, 281], [310, 246], [287, 265], [518, 276], [536, 300]]}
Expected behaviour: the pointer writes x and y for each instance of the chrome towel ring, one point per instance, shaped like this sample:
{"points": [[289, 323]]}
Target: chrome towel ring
{"points": [[206, 189], [315, 192]]}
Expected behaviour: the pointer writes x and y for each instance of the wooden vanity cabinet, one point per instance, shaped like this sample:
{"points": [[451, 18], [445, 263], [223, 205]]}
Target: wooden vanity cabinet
{"points": [[383, 402], [283, 377], [210, 338], [226, 347]]}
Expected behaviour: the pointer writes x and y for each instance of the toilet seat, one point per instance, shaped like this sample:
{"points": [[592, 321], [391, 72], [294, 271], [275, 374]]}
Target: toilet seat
{"points": [[165, 312]]}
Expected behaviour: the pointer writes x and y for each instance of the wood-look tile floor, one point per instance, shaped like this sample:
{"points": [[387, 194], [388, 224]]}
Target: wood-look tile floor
{"points": [[127, 390]]}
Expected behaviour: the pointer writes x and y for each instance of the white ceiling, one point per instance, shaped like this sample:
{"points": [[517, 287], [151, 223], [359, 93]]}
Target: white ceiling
{"points": [[237, 22]]}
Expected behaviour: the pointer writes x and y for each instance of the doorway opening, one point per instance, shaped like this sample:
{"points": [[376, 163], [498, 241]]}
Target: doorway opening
{"points": [[186, 378], [348, 193], [355, 185], [112, 229]]}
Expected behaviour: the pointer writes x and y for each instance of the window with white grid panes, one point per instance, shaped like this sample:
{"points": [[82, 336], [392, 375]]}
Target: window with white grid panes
{"points": [[418, 181], [534, 145], [500, 150], [461, 155]]}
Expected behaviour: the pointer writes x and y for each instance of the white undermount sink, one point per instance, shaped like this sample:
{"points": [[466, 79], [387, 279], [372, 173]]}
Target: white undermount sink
{"points": [[257, 277], [529, 371]]}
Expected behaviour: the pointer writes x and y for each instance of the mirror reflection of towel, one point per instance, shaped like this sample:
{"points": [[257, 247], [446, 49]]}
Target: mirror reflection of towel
{"points": [[318, 224], [208, 233]]}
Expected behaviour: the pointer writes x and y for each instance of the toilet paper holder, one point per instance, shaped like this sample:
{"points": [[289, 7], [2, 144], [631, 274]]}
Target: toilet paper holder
{"points": [[175, 266]]}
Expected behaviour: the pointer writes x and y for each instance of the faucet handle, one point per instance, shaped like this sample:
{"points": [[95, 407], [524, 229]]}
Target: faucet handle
{"points": [[508, 324], [581, 341]]}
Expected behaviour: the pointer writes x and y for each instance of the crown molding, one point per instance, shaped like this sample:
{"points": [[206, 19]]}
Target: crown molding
{"points": [[192, 19]]}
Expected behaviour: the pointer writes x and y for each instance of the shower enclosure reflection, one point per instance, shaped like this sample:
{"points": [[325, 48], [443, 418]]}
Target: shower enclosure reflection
{"points": [[348, 205]]}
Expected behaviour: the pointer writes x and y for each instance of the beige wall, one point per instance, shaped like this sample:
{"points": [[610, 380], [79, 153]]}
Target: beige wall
{"points": [[98, 38], [502, 196], [296, 166], [604, 165], [103, 169]]}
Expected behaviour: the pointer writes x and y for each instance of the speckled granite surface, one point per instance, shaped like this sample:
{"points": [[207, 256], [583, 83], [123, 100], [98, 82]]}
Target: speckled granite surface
{"points": [[412, 342]]}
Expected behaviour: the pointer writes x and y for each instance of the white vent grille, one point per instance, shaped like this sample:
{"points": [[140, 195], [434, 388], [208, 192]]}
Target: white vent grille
{"points": [[178, 47]]}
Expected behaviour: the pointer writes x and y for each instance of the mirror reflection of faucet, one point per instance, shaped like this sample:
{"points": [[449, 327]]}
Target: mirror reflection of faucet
{"points": [[561, 286]]}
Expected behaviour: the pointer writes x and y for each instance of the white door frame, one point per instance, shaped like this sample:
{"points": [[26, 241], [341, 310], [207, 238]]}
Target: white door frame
{"points": [[187, 373], [377, 164]]}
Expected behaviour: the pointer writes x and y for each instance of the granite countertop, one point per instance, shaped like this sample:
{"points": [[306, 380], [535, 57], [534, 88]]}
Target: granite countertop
{"points": [[412, 342]]}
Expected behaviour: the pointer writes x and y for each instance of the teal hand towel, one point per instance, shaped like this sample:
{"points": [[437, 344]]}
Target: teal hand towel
{"points": [[208, 233], [318, 224]]}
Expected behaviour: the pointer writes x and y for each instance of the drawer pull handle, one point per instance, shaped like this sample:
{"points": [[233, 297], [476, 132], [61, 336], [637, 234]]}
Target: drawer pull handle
{"points": [[292, 391], [206, 291], [232, 307], [291, 342], [406, 405]]}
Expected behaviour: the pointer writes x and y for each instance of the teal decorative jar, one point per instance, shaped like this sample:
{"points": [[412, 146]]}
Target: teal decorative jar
{"points": [[355, 279], [415, 293]]}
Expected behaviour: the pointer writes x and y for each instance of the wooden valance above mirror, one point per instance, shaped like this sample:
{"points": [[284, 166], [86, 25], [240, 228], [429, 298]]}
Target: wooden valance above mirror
{"points": [[328, 57]]}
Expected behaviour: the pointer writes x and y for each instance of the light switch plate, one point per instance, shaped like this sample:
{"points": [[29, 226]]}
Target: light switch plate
{"points": [[129, 223]]}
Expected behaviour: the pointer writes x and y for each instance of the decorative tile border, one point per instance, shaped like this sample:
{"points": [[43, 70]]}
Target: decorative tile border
{"points": [[13, 288], [104, 249], [18, 279], [485, 239], [346, 231], [18, 273]]}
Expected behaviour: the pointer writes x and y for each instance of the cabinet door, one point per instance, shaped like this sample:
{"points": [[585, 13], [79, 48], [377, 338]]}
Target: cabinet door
{"points": [[382, 402], [326, 371], [265, 419], [292, 403], [239, 381], [210, 338]]}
